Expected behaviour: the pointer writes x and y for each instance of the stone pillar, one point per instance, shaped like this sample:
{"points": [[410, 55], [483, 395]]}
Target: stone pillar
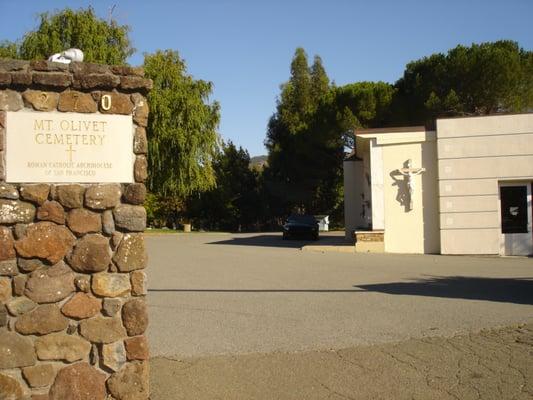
{"points": [[72, 255]]}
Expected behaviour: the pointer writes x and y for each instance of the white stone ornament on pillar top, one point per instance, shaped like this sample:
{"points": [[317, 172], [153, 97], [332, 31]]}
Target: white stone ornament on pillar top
{"points": [[67, 56], [409, 172]]}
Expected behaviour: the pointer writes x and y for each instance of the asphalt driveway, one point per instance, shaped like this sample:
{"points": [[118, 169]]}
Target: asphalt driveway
{"points": [[221, 294]]}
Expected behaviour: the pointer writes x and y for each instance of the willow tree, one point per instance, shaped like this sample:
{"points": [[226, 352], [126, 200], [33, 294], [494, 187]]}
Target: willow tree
{"points": [[182, 131], [102, 41]]}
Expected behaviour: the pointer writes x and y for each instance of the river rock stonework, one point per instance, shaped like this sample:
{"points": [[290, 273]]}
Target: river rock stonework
{"points": [[72, 255]]}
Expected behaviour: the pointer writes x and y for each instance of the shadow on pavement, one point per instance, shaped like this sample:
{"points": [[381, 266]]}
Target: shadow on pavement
{"points": [[259, 290], [275, 240], [504, 290]]}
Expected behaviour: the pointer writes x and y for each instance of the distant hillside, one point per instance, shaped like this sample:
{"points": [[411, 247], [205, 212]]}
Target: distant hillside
{"points": [[258, 162]]}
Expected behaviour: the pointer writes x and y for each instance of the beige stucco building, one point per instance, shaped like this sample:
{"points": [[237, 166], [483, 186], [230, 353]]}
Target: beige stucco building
{"points": [[464, 188]]}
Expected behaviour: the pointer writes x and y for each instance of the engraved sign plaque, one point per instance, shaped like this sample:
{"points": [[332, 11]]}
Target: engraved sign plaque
{"points": [[68, 147]]}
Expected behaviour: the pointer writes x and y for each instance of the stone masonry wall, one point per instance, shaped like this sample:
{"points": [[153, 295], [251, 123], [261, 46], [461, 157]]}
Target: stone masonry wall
{"points": [[72, 256]]}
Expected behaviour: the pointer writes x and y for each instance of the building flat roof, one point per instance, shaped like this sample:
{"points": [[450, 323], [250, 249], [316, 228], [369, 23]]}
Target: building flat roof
{"points": [[501, 114], [391, 130], [421, 128]]}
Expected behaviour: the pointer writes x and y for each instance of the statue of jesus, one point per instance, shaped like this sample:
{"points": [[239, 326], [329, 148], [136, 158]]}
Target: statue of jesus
{"points": [[409, 172]]}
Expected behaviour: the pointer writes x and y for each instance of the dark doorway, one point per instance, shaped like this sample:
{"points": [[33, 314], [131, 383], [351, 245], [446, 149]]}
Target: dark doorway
{"points": [[514, 212]]}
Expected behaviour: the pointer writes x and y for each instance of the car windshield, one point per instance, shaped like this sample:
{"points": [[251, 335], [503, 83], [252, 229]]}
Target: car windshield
{"points": [[302, 219]]}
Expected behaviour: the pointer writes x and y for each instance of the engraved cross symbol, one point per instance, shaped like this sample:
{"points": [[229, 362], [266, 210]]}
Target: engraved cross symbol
{"points": [[70, 150]]}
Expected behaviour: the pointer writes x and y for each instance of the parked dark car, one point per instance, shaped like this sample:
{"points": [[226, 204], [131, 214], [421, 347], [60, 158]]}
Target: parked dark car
{"points": [[300, 226]]}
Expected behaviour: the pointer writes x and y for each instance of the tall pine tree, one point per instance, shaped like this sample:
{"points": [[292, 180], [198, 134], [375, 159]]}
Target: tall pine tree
{"points": [[319, 80], [290, 177], [296, 99]]}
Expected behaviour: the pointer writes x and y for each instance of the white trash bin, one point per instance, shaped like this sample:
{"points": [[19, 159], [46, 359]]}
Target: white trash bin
{"points": [[323, 222]]}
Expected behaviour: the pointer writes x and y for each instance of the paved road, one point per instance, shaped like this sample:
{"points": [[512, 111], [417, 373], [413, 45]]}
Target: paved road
{"points": [[215, 294], [490, 365]]}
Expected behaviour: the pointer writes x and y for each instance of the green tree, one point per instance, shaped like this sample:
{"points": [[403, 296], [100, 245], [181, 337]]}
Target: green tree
{"points": [[342, 109], [102, 41], [357, 105], [296, 95], [305, 158], [8, 49], [182, 130], [290, 177], [319, 80], [235, 203], [481, 79]]}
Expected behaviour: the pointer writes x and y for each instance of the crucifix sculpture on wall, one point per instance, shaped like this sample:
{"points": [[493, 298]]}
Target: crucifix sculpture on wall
{"points": [[409, 172]]}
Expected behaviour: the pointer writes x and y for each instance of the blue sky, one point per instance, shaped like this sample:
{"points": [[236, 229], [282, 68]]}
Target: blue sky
{"points": [[245, 47]]}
